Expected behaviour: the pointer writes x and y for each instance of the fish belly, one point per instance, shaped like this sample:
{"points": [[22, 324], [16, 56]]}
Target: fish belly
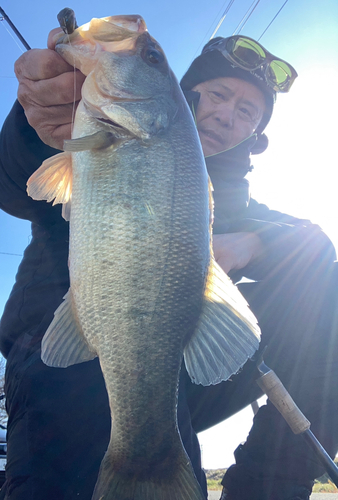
{"points": [[139, 252]]}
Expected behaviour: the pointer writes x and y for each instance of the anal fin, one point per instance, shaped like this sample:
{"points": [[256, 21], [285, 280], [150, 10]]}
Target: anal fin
{"points": [[227, 334], [63, 343]]}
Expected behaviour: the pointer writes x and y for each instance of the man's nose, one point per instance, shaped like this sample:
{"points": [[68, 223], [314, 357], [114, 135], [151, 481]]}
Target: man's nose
{"points": [[225, 115]]}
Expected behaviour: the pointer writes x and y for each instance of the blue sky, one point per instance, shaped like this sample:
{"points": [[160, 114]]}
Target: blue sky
{"points": [[298, 172]]}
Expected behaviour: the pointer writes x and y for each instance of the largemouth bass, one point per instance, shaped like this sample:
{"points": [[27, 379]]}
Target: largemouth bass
{"points": [[145, 290]]}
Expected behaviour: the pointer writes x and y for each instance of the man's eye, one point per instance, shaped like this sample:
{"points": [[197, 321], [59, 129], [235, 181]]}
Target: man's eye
{"points": [[217, 95], [246, 113]]}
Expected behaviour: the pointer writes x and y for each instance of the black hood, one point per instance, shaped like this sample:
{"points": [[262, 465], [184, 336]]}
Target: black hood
{"points": [[231, 190], [227, 171], [211, 65]]}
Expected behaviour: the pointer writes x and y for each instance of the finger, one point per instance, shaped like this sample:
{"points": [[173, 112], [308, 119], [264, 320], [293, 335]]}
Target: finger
{"points": [[53, 128], [55, 137], [225, 265], [38, 118], [53, 37], [63, 89], [40, 64]]}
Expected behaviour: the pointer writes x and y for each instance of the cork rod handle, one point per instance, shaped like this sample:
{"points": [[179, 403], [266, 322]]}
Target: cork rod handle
{"points": [[281, 399]]}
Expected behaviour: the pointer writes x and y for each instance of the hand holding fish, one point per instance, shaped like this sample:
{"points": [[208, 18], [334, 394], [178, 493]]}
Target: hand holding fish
{"points": [[46, 92], [236, 250]]}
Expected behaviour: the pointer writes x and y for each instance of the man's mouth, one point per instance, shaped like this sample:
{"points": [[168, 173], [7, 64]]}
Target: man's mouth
{"points": [[211, 134]]}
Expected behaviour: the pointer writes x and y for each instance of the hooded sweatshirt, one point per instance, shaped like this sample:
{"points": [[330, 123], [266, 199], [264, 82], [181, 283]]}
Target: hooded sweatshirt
{"points": [[42, 279]]}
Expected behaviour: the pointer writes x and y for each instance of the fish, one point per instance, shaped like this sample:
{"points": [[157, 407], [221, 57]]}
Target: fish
{"points": [[145, 291]]}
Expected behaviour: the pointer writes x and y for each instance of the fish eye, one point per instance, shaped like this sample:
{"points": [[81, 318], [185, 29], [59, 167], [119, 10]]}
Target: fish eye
{"points": [[154, 56]]}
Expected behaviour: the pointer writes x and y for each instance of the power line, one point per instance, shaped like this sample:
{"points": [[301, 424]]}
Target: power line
{"points": [[240, 26], [7, 253], [240, 22], [222, 18], [213, 22], [268, 26]]}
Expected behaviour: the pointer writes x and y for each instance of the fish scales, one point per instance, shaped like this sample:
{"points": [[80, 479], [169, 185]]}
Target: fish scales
{"points": [[144, 218], [144, 286], [119, 224]]}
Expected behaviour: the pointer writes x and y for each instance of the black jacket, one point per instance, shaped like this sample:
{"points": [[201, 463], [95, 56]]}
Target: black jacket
{"points": [[42, 279]]}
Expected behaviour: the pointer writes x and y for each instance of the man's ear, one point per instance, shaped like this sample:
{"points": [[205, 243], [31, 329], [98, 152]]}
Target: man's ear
{"points": [[260, 145]]}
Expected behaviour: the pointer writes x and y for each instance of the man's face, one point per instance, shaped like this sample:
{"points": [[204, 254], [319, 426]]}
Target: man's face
{"points": [[229, 111]]}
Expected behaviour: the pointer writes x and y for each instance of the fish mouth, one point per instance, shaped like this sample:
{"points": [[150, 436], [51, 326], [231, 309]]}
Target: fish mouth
{"points": [[119, 132], [99, 116], [110, 123], [124, 129], [104, 31]]}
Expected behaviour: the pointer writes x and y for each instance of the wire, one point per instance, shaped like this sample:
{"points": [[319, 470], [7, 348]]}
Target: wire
{"points": [[7, 253], [240, 26], [215, 19], [15, 40], [74, 88], [268, 26], [15, 29], [222, 18]]}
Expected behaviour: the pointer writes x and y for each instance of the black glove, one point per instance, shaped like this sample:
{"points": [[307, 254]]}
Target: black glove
{"points": [[242, 482]]}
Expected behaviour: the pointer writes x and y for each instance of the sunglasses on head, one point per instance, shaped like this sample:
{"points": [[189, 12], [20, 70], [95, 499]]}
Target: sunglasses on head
{"points": [[250, 55]]}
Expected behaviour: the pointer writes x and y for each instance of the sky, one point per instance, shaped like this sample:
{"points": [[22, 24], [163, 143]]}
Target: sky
{"points": [[298, 174]]}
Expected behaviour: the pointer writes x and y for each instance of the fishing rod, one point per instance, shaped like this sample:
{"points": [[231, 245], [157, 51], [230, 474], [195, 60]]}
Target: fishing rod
{"points": [[299, 424], [66, 19], [16, 31]]}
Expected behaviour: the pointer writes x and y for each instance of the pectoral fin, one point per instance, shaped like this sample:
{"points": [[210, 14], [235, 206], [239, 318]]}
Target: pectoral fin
{"points": [[63, 343], [99, 140], [227, 333], [53, 181]]}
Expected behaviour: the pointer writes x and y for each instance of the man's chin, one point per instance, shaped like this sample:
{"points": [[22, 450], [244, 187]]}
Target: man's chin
{"points": [[210, 151], [211, 147]]}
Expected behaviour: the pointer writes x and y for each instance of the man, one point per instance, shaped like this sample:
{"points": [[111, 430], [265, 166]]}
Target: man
{"points": [[59, 422]]}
